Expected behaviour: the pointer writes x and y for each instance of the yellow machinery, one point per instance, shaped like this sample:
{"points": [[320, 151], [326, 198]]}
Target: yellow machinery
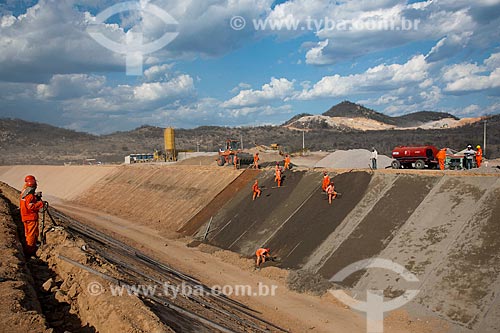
{"points": [[170, 152]]}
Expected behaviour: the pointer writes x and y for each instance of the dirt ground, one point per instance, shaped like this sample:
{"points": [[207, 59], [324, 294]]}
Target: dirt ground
{"points": [[49, 294], [20, 310]]}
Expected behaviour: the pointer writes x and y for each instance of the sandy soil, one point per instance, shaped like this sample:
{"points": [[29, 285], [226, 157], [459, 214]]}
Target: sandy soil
{"points": [[308, 160], [352, 159], [146, 193], [58, 181], [366, 124]]}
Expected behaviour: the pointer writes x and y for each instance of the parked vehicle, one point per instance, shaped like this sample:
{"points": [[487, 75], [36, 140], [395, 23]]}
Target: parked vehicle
{"points": [[418, 157], [456, 160], [232, 148]]}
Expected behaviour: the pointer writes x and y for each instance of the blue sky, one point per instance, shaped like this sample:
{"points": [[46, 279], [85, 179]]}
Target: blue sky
{"points": [[393, 56]]}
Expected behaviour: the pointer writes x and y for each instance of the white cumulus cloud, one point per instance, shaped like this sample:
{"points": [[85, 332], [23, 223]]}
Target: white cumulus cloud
{"points": [[378, 78], [277, 89]]}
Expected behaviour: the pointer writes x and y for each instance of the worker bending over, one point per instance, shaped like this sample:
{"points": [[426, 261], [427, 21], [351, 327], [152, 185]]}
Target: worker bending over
{"points": [[262, 255], [30, 204], [256, 190], [330, 190]]}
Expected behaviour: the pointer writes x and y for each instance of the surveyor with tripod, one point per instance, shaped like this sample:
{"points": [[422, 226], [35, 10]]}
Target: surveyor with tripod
{"points": [[30, 204]]}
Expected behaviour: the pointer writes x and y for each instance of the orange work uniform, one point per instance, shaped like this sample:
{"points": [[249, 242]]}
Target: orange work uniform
{"points": [[256, 190], [287, 162], [256, 160], [479, 156], [326, 182], [29, 206], [277, 177], [235, 161], [261, 254], [441, 157]]}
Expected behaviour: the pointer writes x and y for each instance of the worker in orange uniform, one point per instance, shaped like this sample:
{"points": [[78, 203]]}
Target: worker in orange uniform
{"points": [[479, 155], [256, 160], [326, 181], [256, 190], [277, 174], [235, 161], [287, 162], [441, 157], [330, 190], [262, 255], [30, 204]]}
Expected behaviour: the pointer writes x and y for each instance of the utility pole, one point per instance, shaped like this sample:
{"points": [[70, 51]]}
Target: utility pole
{"points": [[303, 143], [241, 140], [484, 138]]}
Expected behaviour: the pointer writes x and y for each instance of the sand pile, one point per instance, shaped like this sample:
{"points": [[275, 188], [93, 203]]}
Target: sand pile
{"points": [[352, 159]]}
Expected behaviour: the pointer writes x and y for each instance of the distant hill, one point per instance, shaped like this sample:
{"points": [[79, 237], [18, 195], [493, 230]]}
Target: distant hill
{"points": [[418, 118], [23, 142], [347, 115], [33, 134], [296, 117], [351, 110]]}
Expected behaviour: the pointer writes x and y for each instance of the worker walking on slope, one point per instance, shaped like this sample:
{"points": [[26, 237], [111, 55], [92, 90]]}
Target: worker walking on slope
{"points": [[287, 162], [30, 204], [479, 155], [441, 157], [326, 181], [256, 160], [277, 174], [262, 255], [330, 190], [256, 190]]}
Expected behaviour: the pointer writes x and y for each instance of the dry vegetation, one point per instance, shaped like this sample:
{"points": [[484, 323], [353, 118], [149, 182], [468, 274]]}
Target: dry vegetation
{"points": [[28, 143]]}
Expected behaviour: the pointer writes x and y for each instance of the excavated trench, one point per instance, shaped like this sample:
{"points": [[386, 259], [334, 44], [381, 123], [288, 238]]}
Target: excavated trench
{"points": [[54, 295]]}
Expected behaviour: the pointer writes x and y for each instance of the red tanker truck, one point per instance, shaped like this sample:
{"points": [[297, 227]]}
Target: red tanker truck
{"points": [[418, 157]]}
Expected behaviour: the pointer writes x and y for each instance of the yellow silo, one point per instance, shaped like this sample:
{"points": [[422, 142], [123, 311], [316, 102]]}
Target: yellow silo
{"points": [[169, 138]]}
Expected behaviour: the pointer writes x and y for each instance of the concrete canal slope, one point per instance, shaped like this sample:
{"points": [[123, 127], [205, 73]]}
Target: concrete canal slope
{"points": [[163, 197], [444, 228]]}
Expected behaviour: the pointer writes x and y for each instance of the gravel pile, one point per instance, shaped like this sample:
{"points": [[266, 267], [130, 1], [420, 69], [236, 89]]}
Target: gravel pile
{"points": [[352, 159]]}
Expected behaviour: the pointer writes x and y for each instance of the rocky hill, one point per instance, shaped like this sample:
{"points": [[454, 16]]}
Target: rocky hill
{"points": [[347, 115], [419, 118], [351, 110], [23, 142]]}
